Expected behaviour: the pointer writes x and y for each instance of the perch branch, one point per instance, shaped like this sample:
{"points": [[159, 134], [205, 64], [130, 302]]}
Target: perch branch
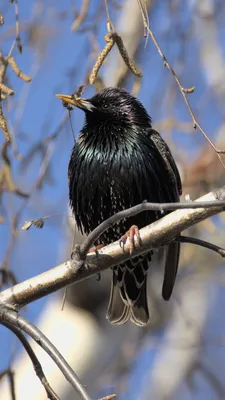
{"points": [[153, 236]]}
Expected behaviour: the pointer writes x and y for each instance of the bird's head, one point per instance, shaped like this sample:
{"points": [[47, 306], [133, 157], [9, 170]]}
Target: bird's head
{"points": [[111, 105]]}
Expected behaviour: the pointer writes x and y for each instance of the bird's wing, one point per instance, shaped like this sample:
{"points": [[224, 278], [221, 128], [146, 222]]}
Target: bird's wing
{"points": [[173, 249], [168, 159]]}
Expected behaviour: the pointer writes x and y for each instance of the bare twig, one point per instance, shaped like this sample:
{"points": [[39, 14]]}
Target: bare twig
{"points": [[202, 243], [81, 16], [40, 222], [182, 90], [6, 276], [18, 39], [36, 364], [109, 23], [13, 318], [10, 375]]}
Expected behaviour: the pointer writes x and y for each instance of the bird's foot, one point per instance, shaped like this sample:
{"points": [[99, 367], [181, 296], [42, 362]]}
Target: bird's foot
{"points": [[130, 234]]}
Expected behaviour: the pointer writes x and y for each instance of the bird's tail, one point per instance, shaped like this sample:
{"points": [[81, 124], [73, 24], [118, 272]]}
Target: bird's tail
{"points": [[171, 267], [120, 311]]}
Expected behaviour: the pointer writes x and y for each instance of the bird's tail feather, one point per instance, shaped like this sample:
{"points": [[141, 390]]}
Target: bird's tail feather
{"points": [[171, 266], [139, 311], [119, 312]]}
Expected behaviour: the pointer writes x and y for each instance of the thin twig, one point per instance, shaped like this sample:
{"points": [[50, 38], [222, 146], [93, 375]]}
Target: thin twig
{"points": [[36, 364], [202, 243], [10, 375], [81, 16], [12, 317], [40, 222], [182, 90], [109, 23], [18, 39]]}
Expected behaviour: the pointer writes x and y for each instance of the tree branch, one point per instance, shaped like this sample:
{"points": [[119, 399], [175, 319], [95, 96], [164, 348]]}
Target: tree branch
{"points": [[153, 236], [145, 206]]}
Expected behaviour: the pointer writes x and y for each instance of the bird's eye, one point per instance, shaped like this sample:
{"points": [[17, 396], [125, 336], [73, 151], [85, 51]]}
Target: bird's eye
{"points": [[105, 105]]}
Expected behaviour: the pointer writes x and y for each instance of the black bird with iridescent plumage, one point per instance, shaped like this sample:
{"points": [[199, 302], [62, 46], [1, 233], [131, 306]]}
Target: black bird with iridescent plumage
{"points": [[117, 162]]}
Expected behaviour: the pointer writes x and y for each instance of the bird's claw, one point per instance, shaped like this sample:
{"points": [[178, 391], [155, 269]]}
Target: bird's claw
{"points": [[130, 234]]}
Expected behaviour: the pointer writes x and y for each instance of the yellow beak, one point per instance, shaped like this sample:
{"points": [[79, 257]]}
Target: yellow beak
{"points": [[84, 104]]}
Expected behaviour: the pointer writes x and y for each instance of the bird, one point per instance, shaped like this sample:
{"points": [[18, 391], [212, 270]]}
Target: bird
{"points": [[117, 162]]}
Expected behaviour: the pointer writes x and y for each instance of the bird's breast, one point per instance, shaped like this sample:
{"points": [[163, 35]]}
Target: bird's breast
{"points": [[104, 181]]}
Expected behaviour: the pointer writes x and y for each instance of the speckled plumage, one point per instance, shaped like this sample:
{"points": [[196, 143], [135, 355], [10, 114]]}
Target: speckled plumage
{"points": [[120, 161]]}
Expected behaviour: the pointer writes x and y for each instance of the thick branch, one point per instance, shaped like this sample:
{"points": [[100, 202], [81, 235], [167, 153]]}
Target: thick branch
{"points": [[145, 206], [153, 236]]}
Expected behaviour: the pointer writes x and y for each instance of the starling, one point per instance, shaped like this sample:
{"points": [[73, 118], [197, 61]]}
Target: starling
{"points": [[119, 161]]}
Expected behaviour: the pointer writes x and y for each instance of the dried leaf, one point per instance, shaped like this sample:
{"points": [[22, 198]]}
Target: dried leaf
{"points": [[26, 225], [109, 397], [38, 223]]}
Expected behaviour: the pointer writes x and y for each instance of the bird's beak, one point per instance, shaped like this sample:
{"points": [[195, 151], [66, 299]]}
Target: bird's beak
{"points": [[84, 104]]}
